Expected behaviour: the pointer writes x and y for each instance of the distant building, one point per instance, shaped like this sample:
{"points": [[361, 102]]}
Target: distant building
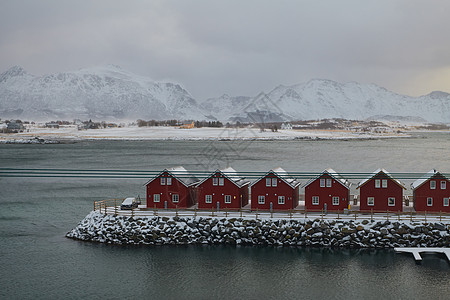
{"points": [[188, 126], [286, 126], [52, 125], [16, 126], [431, 193]]}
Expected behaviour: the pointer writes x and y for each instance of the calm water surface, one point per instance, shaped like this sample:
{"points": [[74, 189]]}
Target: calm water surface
{"points": [[37, 261]]}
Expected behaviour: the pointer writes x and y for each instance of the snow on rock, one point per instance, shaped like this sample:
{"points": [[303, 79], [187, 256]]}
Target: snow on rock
{"points": [[101, 93], [174, 230]]}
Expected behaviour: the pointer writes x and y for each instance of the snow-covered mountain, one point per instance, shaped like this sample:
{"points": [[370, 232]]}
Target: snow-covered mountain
{"points": [[111, 93], [102, 93], [318, 99]]}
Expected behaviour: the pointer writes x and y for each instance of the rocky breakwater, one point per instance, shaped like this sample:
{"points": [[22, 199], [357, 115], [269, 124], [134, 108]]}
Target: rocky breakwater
{"points": [[110, 229]]}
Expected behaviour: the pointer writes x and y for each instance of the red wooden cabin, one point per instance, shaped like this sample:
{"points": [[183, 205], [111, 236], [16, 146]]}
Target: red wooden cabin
{"points": [[431, 193], [172, 188], [276, 190], [223, 189], [381, 192], [328, 191]]}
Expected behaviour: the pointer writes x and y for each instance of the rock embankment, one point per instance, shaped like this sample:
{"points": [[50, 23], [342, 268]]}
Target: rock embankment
{"points": [[110, 229]]}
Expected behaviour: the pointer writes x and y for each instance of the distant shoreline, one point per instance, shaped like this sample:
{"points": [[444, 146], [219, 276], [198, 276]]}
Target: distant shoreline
{"points": [[70, 134]]}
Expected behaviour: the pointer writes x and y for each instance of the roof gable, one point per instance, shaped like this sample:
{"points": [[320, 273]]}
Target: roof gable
{"points": [[333, 174], [283, 175], [426, 177], [230, 174], [379, 171], [179, 173]]}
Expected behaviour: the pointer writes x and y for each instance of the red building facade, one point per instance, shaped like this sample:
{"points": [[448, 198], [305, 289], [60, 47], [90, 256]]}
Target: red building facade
{"points": [[329, 192], [431, 193], [223, 189], [276, 190], [381, 192], [172, 188]]}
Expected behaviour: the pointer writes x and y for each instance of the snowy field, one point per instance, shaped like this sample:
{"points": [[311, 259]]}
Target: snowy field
{"points": [[175, 133]]}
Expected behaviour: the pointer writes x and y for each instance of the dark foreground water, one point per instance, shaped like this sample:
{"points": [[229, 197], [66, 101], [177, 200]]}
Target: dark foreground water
{"points": [[37, 261]]}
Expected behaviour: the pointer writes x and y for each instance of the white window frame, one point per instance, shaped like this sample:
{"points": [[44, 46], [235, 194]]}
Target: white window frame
{"points": [[432, 185], [377, 183], [322, 182], [175, 198], [261, 199], [328, 182], [169, 181], [208, 198], [163, 180], [443, 185], [156, 198], [221, 181], [389, 201], [335, 200], [227, 199], [429, 201], [384, 183], [215, 181], [446, 201], [268, 181], [370, 201], [281, 200], [274, 181], [315, 200]]}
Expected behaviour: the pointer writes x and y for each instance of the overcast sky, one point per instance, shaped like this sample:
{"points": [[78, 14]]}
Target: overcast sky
{"points": [[236, 47]]}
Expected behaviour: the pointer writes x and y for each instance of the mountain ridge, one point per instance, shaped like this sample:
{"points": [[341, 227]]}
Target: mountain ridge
{"points": [[112, 93]]}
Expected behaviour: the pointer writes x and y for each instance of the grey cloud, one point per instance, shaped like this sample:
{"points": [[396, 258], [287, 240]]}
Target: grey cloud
{"points": [[235, 47]]}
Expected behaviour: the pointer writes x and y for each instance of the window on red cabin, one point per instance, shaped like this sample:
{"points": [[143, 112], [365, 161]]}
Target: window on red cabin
{"points": [[370, 201], [274, 182], [215, 180], [384, 183], [322, 182], [315, 200], [335, 200], [446, 201], [391, 201], [175, 198], [328, 182], [227, 198], [429, 201], [377, 183], [268, 182], [169, 181], [156, 197], [208, 198], [261, 199], [221, 181], [432, 184], [163, 181], [281, 200], [443, 185]]}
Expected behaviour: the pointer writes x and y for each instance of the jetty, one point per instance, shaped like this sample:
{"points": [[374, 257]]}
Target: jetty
{"points": [[416, 251]]}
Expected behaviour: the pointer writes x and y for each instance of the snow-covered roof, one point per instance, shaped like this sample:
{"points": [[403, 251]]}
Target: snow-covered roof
{"points": [[231, 174], [377, 171], [338, 177], [181, 174], [283, 175], [425, 177]]}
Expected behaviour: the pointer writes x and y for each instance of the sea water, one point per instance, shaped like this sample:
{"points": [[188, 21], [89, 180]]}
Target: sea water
{"points": [[37, 261]]}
